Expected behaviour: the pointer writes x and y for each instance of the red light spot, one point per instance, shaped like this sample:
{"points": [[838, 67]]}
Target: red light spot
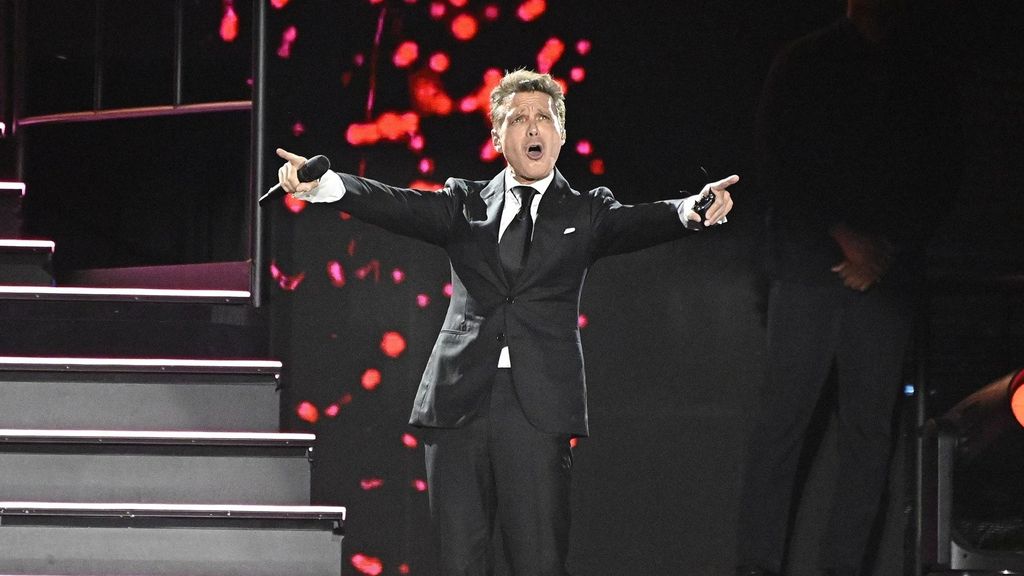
{"points": [[428, 96], [426, 166], [298, 129], [582, 321], [457, 3], [229, 24], [351, 248], [359, 59], [1017, 400], [583, 47], [392, 344], [345, 400], [367, 564], [447, 290], [481, 99], [394, 126], [371, 483], [410, 441], [287, 39], [468, 104], [417, 142], [549, 55], [597, 166], [362, 134], [437, 10], [422, 300], [406, 53], [578, 74], [294, 205], [491, 12], [373, 266], [403, 568], [573, 442], [419, 485], [397, 276], [308, 412], [464, 27], [332, 410], [583, 148], [371, 379], [439, 62], [285, 282], [279, 3], [336, 273], [531, 10], [425, 185], [488, 153]]}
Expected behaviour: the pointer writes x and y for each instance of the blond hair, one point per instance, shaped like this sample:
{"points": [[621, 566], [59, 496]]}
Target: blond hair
{"points": [[524, 80]]}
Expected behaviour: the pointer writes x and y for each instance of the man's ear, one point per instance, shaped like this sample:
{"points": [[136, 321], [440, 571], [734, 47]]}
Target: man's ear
{"points": [[495, 140]]}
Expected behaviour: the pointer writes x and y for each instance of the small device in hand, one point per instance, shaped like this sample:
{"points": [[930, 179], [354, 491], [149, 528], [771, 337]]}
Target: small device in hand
{"points": [[702, 204]]}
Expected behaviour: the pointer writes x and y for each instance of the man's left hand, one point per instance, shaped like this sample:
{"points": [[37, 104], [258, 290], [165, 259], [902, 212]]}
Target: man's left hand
{"points": [[722, 205]]}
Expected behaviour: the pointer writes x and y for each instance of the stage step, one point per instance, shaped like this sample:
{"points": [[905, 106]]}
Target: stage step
{"points": [[115, 539], [11, 194], [107, 321], [155, 466], [56, 393], [26, 262]]}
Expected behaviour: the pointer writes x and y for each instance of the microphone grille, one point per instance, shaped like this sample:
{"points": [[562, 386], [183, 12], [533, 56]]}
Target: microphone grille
{"points": [[314, 168]]}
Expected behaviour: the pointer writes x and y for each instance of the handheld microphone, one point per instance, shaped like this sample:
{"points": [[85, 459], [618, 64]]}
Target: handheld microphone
{"points": [[310, 170]]}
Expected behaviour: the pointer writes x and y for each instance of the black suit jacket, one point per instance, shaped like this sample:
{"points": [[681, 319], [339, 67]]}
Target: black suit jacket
{"points": [[536, 317]]}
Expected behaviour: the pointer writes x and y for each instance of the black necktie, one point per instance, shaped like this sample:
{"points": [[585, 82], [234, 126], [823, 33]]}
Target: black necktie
{"points": [[515, 241]]}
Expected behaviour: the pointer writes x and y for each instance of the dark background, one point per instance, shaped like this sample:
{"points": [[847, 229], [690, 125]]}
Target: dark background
{"points": [[673, 335]]}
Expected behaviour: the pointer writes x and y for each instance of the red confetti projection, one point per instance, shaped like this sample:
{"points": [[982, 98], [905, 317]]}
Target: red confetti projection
{"points": [[367, 564], [406, 53], [531, 10], [371, 483], [410, 441], [336, 273], [286, 282], [392, 344], [549, 55], [308, 412], [464, 27], [229, 23], [371, 379], [287, 39]]}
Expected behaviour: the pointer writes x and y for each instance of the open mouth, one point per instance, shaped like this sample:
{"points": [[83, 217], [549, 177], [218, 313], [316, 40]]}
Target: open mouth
{"points": [[534, 151]]}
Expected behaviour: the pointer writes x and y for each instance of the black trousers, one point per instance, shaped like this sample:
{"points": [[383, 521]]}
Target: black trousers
{"points": [[810, 328], [499, 466]]}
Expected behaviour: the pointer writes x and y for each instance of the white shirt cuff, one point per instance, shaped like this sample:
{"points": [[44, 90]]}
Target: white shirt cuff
{"points": [[329, 189]]}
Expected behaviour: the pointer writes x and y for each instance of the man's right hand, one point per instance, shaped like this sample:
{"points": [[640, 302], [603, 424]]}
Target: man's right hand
{"points": [[287, 175]]}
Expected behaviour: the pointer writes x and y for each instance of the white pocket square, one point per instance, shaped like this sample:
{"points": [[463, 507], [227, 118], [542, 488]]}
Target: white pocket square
{"points": [[568, 231]]}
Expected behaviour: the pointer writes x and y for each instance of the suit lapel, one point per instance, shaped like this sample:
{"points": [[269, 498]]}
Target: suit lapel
{"points": [[486, 232]]}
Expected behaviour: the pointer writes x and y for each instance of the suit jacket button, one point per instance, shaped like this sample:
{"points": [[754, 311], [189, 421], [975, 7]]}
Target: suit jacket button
{"points": [[500, 337]]}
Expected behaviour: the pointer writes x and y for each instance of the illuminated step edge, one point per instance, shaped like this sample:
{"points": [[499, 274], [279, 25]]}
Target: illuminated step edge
{"points": [[140, 510], [17, 245], [139, 365], [157, 437], [18, 187], [123, 294]]}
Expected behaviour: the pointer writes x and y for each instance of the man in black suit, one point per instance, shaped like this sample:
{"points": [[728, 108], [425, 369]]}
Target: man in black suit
{"points": [[855, 117], [503, 391]]}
